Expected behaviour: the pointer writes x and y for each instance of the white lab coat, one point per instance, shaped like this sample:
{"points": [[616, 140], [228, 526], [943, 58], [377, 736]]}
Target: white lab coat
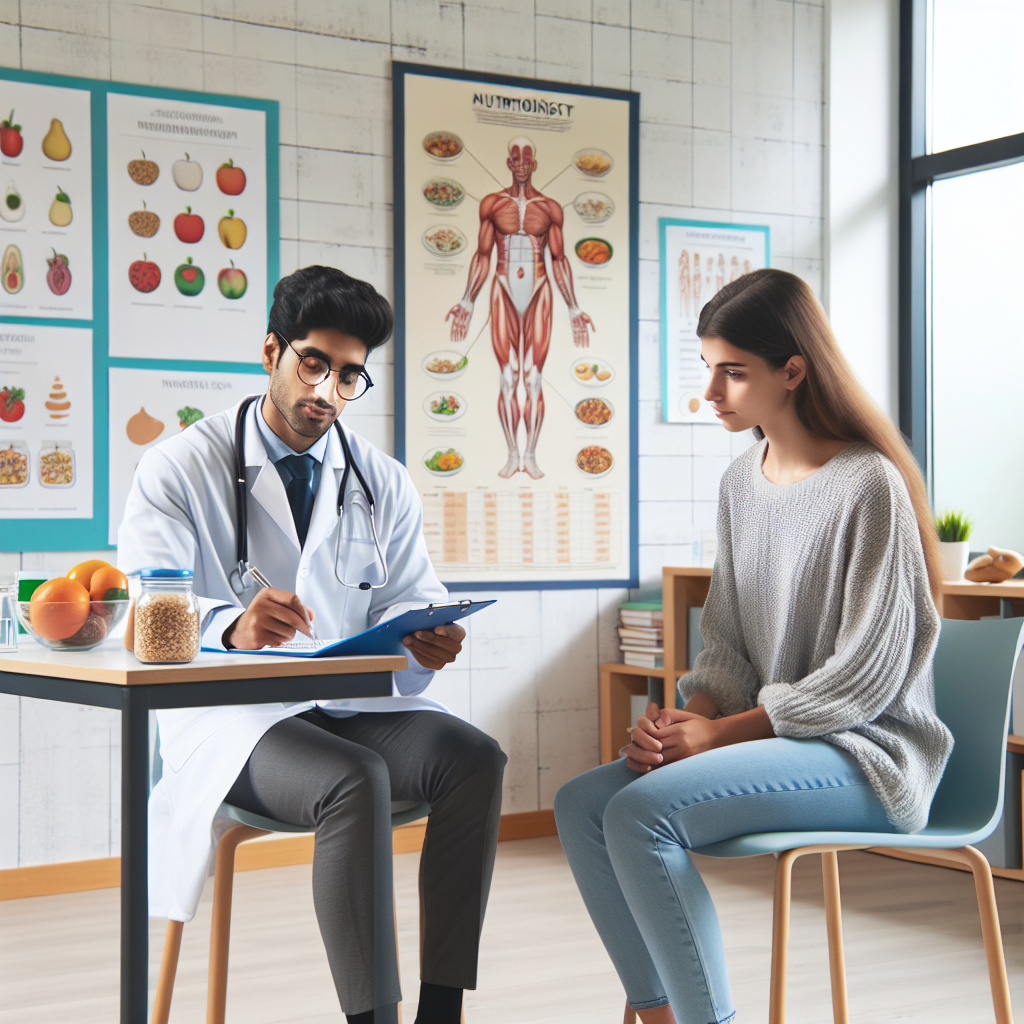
{"points": [[181, 514]]}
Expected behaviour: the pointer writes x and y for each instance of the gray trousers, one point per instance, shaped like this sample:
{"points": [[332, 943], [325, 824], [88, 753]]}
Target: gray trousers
{"points": [[338, 776]]}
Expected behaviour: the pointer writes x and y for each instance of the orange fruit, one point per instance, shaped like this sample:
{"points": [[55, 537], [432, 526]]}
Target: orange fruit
{"points": [[106, 579], [82, 573], [59, 608]]}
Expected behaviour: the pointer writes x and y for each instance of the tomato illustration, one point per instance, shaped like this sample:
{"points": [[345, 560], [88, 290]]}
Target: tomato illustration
{"points": [[12, 404]]}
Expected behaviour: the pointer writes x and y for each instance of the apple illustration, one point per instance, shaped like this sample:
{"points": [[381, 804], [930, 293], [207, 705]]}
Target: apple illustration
{"points": [[11, 141], [144, 275], [232, 282], [189, 280], [187, 174], [231, 179], [232, 230], [189, 226]]}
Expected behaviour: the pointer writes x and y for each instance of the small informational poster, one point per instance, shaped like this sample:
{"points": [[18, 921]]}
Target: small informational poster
{"points": [[148, 406], [698, 258], [46, 422], [46, 202], [187, 227], [515, 361]]}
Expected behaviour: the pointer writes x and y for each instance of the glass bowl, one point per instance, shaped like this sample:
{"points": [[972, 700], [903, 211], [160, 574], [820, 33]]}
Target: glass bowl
{"points": [[103, 617]]}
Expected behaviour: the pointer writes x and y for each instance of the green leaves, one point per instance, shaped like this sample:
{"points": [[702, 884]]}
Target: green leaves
{"points": [[953, 526]]}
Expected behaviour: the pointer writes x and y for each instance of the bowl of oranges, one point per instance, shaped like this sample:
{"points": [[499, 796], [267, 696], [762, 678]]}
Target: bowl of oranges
{"points": [[78, 611]]}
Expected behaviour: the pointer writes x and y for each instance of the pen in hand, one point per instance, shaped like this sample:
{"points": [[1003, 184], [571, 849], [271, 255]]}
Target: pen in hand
{"points": [[263, 583]]}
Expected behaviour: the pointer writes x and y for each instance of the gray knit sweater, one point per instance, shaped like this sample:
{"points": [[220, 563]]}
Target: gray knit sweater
{"points": [[819, 609]]}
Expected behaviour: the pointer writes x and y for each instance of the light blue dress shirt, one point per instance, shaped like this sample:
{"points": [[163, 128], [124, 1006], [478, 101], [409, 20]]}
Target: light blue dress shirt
{"points": [[278, 450]]}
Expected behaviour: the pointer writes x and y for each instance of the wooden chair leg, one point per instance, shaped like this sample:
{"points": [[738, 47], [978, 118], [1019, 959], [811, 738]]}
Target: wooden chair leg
{"points": [[834, 927], [168, 969], [990, 933], [780, 935], [220, 926]]}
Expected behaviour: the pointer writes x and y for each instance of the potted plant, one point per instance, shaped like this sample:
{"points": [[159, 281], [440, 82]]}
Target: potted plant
{"points": [[954, 530]]}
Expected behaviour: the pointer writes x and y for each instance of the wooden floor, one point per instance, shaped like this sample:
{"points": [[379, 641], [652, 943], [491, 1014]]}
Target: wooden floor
{"points": [[912, 938]]}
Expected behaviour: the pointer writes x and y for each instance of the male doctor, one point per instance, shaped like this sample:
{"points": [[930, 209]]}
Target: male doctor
{"points": [[334, 766]]}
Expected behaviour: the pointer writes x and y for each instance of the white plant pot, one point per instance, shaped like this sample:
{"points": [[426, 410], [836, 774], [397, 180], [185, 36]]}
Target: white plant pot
{"points": [[955, 554]]}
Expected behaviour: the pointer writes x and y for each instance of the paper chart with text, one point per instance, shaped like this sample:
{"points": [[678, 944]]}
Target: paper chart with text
{"points": [[698, 258]]}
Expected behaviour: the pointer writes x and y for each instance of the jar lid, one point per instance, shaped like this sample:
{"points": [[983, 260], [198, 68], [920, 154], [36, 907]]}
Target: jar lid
{"points": [[164, 574]]}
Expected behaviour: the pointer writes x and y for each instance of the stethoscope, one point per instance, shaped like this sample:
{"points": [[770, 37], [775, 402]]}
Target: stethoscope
{"points": [[242, 513]]}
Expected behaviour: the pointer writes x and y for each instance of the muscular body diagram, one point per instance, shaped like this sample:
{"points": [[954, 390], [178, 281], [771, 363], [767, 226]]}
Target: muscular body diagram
{"points": [[521, 223]]}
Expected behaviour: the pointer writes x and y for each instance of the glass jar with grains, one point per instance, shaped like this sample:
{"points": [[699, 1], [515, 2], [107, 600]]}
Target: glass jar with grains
{"points": [[166, 617]]}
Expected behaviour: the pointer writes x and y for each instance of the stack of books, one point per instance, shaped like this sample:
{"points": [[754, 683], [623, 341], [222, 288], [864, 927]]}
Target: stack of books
{"points": [[642, 634]]}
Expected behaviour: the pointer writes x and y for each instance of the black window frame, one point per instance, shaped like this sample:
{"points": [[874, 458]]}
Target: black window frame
{"points": [[918, 170]]}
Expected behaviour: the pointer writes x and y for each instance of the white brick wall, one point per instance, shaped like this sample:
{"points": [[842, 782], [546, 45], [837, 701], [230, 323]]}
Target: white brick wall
{"points": [[731, 111]]}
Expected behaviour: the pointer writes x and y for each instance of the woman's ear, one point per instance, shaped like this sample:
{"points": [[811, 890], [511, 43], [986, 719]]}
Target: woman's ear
{"points": [[794, 372]]}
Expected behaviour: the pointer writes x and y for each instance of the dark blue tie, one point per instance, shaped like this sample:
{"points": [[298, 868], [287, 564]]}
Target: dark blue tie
{"points": [[297, 472]]}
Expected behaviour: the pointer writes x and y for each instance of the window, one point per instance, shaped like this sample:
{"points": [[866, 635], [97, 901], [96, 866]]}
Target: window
{"points": [[962, 257]]}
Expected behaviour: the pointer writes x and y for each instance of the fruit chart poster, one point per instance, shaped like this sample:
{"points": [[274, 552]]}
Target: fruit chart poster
{"points": [[110, 282], [698, 258], [148, 406], [515, 280], [46, 207], [187, 210], [46, 422]]}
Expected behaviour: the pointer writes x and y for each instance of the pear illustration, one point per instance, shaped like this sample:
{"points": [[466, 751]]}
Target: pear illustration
{"points": [[12, 207], [60, 209], [56, 144]]}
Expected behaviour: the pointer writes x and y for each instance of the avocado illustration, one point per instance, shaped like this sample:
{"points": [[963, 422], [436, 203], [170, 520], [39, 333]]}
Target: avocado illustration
{"points": [[56, 144], [189, 280], [13, 271], [60, 209], [12, 207]]}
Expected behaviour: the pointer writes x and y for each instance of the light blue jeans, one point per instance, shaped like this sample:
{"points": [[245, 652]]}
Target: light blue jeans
{"points": [[626, 837]]}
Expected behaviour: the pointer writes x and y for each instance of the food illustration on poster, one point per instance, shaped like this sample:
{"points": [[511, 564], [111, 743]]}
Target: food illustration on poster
{"points": [[174, 168], [518, 226], [46, 210], [46, 422], [697, 260], [148, 406]]}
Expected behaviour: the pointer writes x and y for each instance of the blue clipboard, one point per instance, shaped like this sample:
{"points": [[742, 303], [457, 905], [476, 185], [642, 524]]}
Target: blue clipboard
{"points": [[384, 638]]}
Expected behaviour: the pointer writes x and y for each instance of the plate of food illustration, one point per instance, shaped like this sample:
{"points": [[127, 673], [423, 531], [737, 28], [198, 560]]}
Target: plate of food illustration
{"points": [[593, 207], [443, 145], [444, 240], [594, 460], [594, 163], [594, 412], [445, 365], [591, 373], [594, 251], [443, 461], [444, 406], [444, 193]]}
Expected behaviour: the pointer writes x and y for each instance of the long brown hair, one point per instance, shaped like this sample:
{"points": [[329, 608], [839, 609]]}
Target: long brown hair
{"points": [[774, 315]]}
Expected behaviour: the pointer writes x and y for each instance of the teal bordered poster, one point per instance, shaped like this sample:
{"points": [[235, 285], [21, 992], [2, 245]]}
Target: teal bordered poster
{"points": [[139, 230], [697, 259]]}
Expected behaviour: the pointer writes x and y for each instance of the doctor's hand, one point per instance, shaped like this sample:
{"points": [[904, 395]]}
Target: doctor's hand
{"points": [[272, 618], [436, 649]]}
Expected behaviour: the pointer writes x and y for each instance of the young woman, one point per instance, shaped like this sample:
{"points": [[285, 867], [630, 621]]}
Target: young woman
{"points": [[811, 706]]}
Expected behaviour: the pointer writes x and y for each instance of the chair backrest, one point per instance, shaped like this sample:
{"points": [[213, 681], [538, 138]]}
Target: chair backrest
{"points": [[974, 668]]}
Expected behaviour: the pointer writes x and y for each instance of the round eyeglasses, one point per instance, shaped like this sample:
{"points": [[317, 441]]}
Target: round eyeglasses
{"points": [[353, 382]]}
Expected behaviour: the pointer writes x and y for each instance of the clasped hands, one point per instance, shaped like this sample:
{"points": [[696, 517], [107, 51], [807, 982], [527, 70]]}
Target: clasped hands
{"points": [[275, 616], [669, 734]]}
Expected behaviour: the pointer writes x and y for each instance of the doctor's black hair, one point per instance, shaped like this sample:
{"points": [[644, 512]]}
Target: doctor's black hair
{"points": [[325, 297]]}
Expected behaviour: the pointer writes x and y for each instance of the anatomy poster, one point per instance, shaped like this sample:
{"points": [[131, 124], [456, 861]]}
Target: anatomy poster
{"points": [[515, 221], [187, 212], [46, 422], [148, 406], [46, 203], [697, 260]]}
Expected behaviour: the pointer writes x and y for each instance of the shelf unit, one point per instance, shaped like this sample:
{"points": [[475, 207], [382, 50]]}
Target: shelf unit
{"points": [[686, 587]]}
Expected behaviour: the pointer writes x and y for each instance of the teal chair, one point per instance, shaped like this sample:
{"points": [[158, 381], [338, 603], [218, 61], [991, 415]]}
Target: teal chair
{"points": [[974, 667], [247, 826]]}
